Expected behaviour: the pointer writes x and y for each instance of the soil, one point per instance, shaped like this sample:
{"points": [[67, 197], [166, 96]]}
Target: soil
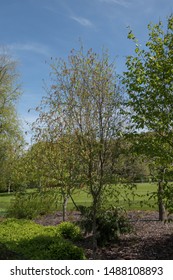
{"points": [[149, 240]]}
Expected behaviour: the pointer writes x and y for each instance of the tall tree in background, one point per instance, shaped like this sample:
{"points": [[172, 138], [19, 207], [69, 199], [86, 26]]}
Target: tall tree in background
{"points": [[83, 104], [149, 84], [10, 134]]}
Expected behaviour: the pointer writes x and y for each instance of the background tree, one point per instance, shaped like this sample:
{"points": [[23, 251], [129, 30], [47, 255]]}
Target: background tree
{"points": [[53, 165], [149, 84], [158, 156], [11, 138], [128, 163]]}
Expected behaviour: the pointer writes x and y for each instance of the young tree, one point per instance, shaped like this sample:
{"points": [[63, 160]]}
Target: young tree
{"points": [[149, 84], [53, 165], [84, 103]]}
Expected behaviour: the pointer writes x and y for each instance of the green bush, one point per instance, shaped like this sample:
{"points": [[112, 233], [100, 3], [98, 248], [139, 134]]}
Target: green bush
{"points": [[70, 231], [49, 248], [31, 205], [110, 223], [32, 241], [6, 254]]}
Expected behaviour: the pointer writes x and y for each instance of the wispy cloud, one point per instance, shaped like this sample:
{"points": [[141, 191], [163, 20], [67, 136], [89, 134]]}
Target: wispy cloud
{"points": [[69, 13], [30, 47], [82, 21], [124, 3]]}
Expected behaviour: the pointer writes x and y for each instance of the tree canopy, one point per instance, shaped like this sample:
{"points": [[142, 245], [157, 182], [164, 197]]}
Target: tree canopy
{"points": [[11, 138], [149, 85]]}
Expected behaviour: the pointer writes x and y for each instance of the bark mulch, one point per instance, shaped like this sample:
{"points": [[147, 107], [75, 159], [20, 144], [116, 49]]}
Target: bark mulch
{"points": [[149, 240]]}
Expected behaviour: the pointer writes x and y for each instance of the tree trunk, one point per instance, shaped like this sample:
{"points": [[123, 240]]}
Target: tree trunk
{"points": [[162, 211], [39, 185], [94, 230], [9, 188], [64, 207], [74, 203]]}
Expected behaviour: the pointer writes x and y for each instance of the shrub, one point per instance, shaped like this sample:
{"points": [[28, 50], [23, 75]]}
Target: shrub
{"points": [[70, 231], [45, 247], [12, 231], [67, 251], [36, 242], [31, 205], [6, 254], [110, 223]]}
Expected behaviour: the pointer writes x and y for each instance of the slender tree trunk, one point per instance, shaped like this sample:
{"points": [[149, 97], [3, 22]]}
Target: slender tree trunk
{"points": [[94, 230], [74, 203], [161, 206], [39, 185], [9, 188], [64, 207]]}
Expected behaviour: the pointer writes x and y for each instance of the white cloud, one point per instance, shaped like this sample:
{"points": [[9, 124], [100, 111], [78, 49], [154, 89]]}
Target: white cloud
{"points": [[30, 47], [124, 3], [82, 21]]}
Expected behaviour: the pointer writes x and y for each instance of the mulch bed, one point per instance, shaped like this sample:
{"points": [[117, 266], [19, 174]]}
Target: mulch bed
{"points": [[149, 240]]}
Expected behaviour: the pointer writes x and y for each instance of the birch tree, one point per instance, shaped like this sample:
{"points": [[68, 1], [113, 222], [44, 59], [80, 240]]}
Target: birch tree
{"points": [[84, 104]]}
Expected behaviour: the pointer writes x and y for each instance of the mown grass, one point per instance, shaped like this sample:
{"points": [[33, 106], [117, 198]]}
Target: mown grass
{"points": [[138, 201], [5, 199], [140, 198]]}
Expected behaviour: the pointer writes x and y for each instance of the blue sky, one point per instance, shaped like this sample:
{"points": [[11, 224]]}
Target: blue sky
{"points": [[33, 31]]}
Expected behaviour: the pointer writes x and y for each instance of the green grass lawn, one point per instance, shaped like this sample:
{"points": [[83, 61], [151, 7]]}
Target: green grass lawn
{"points": [[82, 198], [5, 199], [141, 191]]}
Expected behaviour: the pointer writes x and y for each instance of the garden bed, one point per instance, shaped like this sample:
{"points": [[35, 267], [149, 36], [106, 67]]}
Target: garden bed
{"points": [[150, 239]]}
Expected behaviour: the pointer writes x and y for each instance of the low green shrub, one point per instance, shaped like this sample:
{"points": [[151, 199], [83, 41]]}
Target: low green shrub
{"points": [[70, 231], [6, 254], [66, 251], [31, 205], [36, 242], [110, 223], [49, 248]]}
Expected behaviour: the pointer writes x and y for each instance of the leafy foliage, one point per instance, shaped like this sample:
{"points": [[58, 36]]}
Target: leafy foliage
{"points": [[11, 138], [50, 248], [33, 241], [83, 106], [30, 205], [110, 223], [149, 84], [69, 231]]}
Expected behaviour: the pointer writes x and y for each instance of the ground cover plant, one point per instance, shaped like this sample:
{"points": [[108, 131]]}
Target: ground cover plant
{"points": [[28, 240]]}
